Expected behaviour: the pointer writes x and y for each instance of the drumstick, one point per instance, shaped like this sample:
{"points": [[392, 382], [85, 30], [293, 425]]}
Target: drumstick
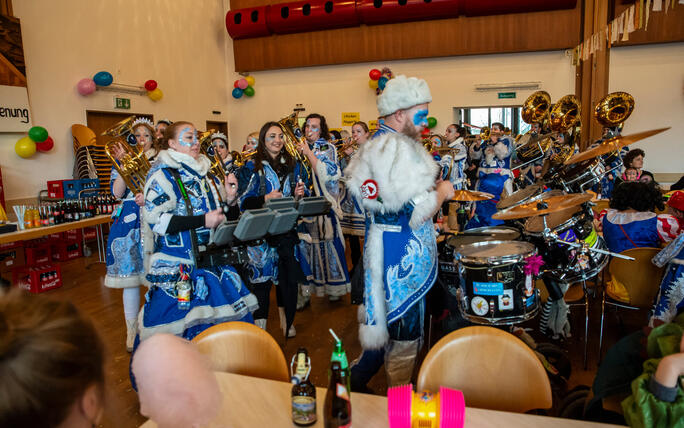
{"points": [[576, 245]]}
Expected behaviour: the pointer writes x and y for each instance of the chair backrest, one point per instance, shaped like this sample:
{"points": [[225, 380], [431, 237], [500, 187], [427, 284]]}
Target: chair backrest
{"points": [[243, 348], [494, 370], [640, 276]]}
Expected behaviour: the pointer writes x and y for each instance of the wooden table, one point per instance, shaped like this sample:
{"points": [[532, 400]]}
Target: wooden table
{"points": [[38, 232], [253, 402]]}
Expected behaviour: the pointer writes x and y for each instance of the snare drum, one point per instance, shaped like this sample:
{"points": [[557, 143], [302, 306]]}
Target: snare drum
{"points": [[565, 263], [494, 288]]}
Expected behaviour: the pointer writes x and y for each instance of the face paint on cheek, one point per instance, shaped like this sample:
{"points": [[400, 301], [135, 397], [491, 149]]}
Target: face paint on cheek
{"points": [[420, 118], [182, 140], [270, 138]]}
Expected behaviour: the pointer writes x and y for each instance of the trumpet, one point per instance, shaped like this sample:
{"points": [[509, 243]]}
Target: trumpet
{"points": [[343, 144], [241, 158], [293, 136], [132, 165]]}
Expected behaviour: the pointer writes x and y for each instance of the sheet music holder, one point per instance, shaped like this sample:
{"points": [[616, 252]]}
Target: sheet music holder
{"points": [[313, 206], [281, 203], [254, 224]]}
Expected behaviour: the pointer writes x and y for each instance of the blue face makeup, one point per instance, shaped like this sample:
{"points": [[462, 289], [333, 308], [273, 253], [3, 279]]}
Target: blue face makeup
{"points": [[183, 137], [420, 117]]}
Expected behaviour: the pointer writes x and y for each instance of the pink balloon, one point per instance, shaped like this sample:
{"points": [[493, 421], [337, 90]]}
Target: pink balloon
{"points": [[242, 84], [86, 86]]}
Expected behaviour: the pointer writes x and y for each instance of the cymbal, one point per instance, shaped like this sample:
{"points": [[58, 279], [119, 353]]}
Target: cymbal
{"points": [[543, 206], [613, 144], [470, 195]]}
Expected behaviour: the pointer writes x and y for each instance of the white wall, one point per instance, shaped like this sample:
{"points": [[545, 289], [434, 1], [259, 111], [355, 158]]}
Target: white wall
{"points": [[330, 90], [654, 75], [179, 43]]}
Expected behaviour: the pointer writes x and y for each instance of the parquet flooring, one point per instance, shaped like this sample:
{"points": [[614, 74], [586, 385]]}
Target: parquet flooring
{"points": [[83, 284]]}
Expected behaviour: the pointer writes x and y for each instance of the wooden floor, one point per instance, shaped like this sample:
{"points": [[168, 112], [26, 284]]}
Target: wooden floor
{"points": [[83, 285]]}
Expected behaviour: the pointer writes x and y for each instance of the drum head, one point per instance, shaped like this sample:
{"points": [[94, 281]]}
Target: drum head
{"points": [[519, 197], [553, 220], [496, 252], [482, 234]]}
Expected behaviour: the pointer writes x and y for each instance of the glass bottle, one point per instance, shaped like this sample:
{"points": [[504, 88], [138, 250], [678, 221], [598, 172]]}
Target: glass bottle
{"points": [[303, 391], [337, 410]]}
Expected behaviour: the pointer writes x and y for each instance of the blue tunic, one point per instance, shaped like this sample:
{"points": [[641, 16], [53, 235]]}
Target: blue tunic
{"points": [[321, 250], [124, 249], [670, 301], [353, 219], [218, 294], [623, 231]]}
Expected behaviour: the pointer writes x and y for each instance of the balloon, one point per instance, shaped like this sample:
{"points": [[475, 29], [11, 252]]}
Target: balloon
{"points": [[425, 132], [374, 74], [242, 84], [103, 78], [249, 91], [25, 147], [237, 93], [432, 122], [235, 84], [86, 86], [155, 95], [373, 84], [151, 85], [382, 82], [46, 145], [250, 80], [38, 134]]}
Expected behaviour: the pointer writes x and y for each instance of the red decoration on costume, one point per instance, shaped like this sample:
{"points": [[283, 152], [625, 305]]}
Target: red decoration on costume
{"points": [[369, 189], [533, 265]]}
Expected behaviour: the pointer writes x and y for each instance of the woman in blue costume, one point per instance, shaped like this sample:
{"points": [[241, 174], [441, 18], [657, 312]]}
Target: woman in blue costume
{"points": [[185, 299], [124, 249], [272, 174], [219, 141], [322, 243], [494, 176], [353, 220], [630, 221]]}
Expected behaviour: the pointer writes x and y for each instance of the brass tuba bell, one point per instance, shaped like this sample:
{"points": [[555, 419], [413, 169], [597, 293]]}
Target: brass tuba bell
{"points": [[133, 164], [536, 107], [565, 113], [614, 109], [293, 135]]}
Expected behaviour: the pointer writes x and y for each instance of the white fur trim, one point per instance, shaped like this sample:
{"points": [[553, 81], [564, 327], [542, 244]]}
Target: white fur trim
{"points": [[501, 150], [617, 217], [173, 159], [402, 92], [129, 281], [376, 335], [163, 224], [423, 210], [400, 166]]}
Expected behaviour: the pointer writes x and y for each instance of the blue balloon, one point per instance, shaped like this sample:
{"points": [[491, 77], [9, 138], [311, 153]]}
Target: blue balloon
{"points": [[237, 93], [103, 78], [381, 82]]}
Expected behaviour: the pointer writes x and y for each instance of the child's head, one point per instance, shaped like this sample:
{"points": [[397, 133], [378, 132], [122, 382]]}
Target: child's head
{"points": [[631, 174]]}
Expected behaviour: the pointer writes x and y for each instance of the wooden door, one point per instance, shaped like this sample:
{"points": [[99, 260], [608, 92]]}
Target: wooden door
{"points": [[99, 121], [218, 126]]}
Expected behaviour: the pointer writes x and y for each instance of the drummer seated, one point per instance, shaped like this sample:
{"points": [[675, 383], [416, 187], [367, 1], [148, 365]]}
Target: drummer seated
{"points": [[631, 222]]}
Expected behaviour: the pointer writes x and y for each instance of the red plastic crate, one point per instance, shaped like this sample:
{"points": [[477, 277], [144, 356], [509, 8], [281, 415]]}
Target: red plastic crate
{"points": [[55, 189], [11, 258], [89, 233], [66, 250], [37, 252], [37, 279]]}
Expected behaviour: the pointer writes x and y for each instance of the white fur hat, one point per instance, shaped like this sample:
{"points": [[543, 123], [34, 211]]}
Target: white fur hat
{"points": [[403, 92]]}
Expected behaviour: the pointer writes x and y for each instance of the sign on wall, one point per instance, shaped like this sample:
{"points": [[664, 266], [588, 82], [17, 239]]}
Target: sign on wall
{"points": [[349, 118], [15, 114]]}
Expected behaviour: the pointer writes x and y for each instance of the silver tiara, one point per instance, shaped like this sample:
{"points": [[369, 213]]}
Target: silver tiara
{"points": [[219, 135], [142, 121]]}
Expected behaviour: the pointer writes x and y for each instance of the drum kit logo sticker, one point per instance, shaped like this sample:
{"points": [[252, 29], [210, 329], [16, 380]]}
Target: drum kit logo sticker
{"points": [[479, 305], [506, 300], [488, 288]]}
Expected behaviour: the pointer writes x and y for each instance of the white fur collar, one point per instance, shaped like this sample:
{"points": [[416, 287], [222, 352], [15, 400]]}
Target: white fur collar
{"points": [[152, 152], [400, 166], [618, 217], [173, 159], [456, 142]]}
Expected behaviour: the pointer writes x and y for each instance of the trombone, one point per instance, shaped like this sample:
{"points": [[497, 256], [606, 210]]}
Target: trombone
{"points": [[133, 164]]}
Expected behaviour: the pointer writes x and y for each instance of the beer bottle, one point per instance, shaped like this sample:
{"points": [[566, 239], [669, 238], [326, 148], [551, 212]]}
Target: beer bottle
{"points": [[76, 210], [51, 214], [337, 410], [340, 356], [303, 391]]}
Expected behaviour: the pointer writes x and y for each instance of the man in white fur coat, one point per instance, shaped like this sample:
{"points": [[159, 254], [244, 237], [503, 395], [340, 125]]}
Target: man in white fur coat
{"points": [[395, 177]]}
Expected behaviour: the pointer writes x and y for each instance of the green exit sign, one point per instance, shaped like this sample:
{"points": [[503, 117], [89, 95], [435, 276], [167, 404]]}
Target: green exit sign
{"points": [[124, 103], [506, 95]]}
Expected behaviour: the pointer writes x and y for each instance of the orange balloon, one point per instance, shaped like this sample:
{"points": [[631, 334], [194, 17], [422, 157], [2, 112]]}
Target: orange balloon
{"points": [[373, 84]]}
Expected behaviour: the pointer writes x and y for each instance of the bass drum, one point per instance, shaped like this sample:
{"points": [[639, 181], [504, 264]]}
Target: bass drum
{"points": [[494, 289]]}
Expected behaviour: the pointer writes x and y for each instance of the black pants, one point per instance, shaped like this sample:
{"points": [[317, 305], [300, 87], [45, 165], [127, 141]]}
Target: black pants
{"points": [[262, 292], [355, 248]]}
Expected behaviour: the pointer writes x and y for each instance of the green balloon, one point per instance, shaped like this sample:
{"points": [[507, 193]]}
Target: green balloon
{"points": [[249, 91], [432, 122], [38, 134]]}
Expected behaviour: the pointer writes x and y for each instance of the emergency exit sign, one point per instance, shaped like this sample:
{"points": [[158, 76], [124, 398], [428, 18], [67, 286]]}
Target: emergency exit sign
{"points": [[123, 103], [506, 95]]}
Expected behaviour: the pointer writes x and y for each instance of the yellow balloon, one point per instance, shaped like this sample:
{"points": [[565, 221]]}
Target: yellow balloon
{"points": [[250, 80], [155, 95], [373, 84], [25, 147]]}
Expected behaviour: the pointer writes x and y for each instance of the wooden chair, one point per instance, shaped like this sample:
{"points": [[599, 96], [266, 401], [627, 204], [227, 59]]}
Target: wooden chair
{"points": [[494, 369], [243, 348], [640, 277]]}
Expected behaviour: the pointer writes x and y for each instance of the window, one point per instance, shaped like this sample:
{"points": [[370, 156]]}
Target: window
{"points": [[485, 116]]}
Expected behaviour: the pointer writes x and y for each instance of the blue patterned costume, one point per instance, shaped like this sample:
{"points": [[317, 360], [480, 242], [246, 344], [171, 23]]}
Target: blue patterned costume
{"points": [[457, 163], [218, 293], [625, 230], [353, 219], [124, 247], [321, 250], [494, 175], [670, 301]]}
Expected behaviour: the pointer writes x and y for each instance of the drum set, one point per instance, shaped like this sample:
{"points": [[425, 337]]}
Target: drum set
{"points": [[548, 233]]}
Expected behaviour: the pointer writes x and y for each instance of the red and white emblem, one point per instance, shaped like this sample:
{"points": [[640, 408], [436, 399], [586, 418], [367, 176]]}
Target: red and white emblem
{"points": [[369, 189]]}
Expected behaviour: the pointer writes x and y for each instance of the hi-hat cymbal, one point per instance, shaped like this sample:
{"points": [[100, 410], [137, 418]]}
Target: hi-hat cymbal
{"points": [[613, 144], [543, 206], [470, 195]]}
